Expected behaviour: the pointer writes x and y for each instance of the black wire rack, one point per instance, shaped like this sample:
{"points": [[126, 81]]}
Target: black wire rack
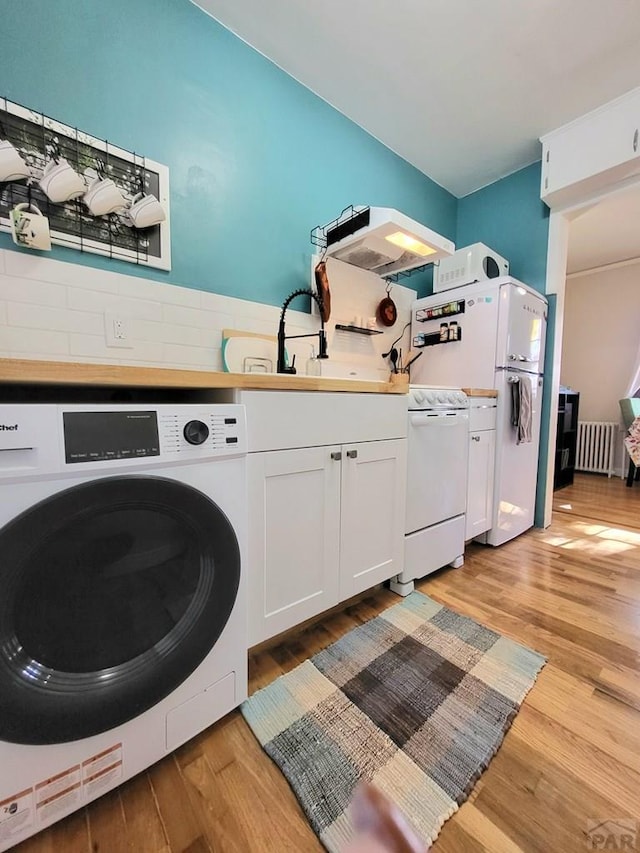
{"points": [[345, 220], [38, 138]]}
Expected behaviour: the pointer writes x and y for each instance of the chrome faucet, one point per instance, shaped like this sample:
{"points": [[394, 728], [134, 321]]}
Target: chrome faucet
{"points": [[322, 338]]}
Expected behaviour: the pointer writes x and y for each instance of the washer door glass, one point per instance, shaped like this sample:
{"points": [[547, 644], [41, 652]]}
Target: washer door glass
{"points": [[113, 592]]}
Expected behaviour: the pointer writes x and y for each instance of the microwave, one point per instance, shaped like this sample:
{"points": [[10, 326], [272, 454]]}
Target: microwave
{"points": [[472, 263]]}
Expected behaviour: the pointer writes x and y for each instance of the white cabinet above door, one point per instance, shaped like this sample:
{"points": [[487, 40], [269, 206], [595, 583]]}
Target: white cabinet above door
{"points": [[593, 152]]}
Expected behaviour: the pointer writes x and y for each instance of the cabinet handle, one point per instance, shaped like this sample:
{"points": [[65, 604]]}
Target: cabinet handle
{"points": [[635, 140], [352, 454], [475, 438], [336, 455]]}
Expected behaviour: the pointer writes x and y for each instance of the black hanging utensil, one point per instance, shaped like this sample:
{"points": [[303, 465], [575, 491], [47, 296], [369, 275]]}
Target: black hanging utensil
{"points": [[409, 363]]}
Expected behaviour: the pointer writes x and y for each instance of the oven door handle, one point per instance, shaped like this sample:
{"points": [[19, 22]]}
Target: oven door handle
{"points": [[421, 419]]}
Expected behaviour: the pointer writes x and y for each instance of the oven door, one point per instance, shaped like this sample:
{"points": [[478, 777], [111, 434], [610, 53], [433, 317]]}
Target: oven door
{"points": [[113, 592], [437, 456]]}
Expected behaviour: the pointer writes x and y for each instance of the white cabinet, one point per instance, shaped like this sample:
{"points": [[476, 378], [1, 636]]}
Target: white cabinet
{"points": [[595, 151], [482, 452], [326, 510], [294, 537], [324, 524], [372, 505]]}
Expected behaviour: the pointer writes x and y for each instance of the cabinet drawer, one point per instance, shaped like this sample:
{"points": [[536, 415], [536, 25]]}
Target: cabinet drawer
{"points": [[482, 416], [280, 420]]}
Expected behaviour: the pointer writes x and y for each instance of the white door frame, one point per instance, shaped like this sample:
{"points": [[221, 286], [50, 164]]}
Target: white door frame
{"points": [[557, 246]]}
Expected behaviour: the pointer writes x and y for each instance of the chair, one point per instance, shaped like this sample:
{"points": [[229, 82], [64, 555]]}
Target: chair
{"points": [[630, 409]]}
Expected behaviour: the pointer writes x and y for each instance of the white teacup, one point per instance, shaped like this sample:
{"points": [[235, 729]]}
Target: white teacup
{"points": [[12, 166], [103, 197], [60, 182], [30, 228], [145, 211]]}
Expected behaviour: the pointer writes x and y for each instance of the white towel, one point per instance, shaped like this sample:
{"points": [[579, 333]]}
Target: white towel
{"points": [[522, 409]]}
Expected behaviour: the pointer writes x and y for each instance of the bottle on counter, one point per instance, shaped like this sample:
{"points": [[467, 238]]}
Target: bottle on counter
{"points": [[313, 364]]}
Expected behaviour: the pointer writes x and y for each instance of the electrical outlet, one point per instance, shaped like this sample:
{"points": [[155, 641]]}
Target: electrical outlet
{"points": [[116, 330]]}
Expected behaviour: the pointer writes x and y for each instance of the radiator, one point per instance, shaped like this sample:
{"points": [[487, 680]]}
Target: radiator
{"points": [[596, 446]]}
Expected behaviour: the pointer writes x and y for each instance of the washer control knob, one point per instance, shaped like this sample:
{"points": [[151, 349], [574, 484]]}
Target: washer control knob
{"points": [[196, 432]]}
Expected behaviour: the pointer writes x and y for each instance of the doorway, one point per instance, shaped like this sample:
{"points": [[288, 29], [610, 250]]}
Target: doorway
{"points": [[595, 237]]}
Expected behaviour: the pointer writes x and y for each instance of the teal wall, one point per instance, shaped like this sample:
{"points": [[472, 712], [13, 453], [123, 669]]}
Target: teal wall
{"points": [[256, 160], [509, 217]]}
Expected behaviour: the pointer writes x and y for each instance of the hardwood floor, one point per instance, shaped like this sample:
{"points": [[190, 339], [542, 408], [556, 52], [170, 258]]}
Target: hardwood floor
{"points": [[572, 755]]}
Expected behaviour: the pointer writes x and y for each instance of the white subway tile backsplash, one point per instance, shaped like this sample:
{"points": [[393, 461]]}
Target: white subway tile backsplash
{"points": [[22, 341], [164, 332], [60, 272], [90, 300], [57, 319], [17, 289], [142, 288], [182, 356], [224, 304], [81, 345], [55, 310], [195, 317], [218, 320]]}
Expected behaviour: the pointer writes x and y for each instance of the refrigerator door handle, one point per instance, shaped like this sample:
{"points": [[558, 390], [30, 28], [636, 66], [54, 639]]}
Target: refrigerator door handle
{"points": [[522, 358], [510, 369]]}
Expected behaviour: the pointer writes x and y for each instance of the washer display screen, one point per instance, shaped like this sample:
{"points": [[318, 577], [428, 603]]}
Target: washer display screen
{"points": [[100, 436]]}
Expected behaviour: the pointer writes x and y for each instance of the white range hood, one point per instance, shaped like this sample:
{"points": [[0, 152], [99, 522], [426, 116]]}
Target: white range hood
{"points": [[385, 241]]}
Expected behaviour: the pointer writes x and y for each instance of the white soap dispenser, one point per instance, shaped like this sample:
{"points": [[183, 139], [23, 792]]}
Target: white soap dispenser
{"points": [[313, 364]]}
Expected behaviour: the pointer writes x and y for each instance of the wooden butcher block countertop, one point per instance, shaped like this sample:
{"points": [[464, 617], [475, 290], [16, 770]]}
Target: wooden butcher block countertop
{"points": [[27, 371], [480, 392]]}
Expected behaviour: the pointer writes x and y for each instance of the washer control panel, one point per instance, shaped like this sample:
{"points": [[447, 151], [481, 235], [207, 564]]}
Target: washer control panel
{"points": [[45, 438]]}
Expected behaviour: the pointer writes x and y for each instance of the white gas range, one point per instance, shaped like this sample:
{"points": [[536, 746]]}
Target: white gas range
{"points": [[437, 454]]}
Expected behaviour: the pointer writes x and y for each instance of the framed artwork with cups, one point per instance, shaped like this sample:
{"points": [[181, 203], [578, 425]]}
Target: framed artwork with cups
{"points": [[98, 197]]}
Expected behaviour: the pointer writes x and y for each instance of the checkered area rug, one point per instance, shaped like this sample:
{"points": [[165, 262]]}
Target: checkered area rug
{"points": [[415, 701]]}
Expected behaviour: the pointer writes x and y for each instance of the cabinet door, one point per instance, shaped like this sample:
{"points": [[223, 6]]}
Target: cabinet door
{"points": [[294, 537], [373, 513], [482, 450], [596, 150]]}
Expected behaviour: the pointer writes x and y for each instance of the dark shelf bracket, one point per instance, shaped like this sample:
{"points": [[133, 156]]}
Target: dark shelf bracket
{"points": [[359, 330]]}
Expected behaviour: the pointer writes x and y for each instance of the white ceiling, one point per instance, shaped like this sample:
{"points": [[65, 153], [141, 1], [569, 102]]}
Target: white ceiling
{"points": [[606, 233], [462, 89]]}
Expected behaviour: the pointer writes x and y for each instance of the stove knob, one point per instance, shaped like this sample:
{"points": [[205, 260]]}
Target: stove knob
{"points": [[442, 398], [453, 398], [430, 398], [196, 432], [418, 396]]}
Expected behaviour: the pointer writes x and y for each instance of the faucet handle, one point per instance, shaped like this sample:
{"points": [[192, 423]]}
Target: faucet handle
{"points": [[292, 367], [322, 344]]}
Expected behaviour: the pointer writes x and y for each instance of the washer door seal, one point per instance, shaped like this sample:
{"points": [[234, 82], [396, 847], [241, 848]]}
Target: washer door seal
{"points": [[113, 593]]}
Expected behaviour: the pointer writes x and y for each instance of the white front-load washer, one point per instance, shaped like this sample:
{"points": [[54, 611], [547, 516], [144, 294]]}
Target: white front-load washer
{"points": [[122, 594]]}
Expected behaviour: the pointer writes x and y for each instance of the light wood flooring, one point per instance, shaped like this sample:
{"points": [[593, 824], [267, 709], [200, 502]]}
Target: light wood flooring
{"points": [[572, 755]]}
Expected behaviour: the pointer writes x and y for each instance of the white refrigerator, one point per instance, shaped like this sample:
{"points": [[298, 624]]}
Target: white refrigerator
{"points": [[491, 334]]}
